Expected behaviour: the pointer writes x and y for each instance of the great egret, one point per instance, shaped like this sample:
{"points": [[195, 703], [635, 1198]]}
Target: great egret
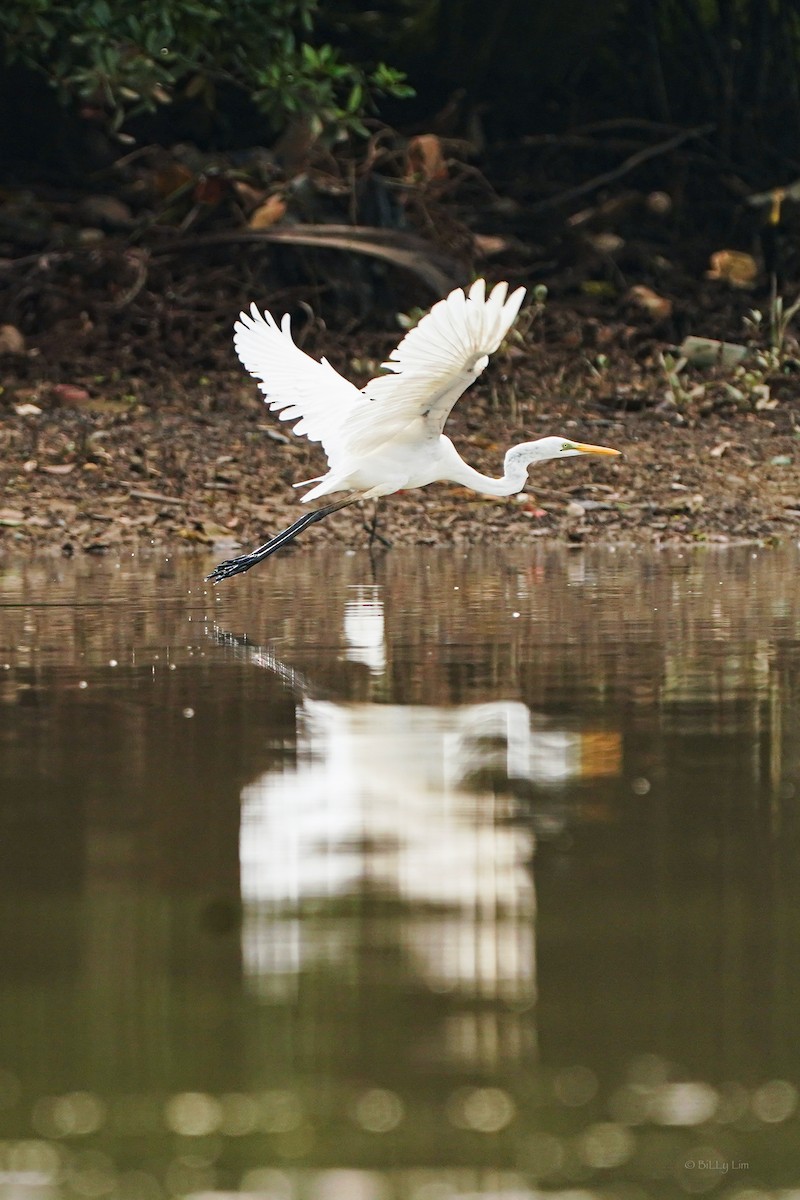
{"points": [[388, 436]]}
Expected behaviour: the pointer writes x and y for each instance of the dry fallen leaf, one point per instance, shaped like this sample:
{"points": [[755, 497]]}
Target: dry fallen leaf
{"points": [[211, 189], [650, 302], [486, 244], [733, 267], [60, 469], [173, 177], [269, 213], [70, 395], [425, 159], [248, 195], [11, 340]]}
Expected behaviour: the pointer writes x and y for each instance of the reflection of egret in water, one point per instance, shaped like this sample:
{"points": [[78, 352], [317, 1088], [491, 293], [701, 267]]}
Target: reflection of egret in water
{"points": [[414, 806], [363, 628], [375, 803], [374, 808]]}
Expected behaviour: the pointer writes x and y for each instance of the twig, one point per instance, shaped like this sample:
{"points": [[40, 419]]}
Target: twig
{"points": [[439, 271], [139, 262], [630, 164], [43, 258], [156, 497]]}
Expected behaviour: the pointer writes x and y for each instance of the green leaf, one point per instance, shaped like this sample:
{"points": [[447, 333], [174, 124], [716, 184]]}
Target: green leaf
{"points": [[355, 98], [119, 50]]}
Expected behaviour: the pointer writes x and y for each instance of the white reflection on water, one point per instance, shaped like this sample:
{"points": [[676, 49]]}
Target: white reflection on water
{"points": [[363, 628], [410, 803], [375, 801]]}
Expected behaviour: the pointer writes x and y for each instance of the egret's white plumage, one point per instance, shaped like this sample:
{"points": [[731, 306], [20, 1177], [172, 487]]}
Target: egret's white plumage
{"points": [[366, 433], [388, 435]]}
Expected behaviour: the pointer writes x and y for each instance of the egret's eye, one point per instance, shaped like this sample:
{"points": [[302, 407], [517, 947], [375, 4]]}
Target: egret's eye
{"points": [[567, 446]]}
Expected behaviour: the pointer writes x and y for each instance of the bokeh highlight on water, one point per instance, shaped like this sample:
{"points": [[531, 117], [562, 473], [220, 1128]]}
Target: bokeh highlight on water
{"points": [[449, 874]]}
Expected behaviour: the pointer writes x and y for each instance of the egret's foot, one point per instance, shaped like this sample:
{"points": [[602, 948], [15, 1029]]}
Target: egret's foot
{"points": [[371, 528], [374, 537], [237, 566], [232, 566]]}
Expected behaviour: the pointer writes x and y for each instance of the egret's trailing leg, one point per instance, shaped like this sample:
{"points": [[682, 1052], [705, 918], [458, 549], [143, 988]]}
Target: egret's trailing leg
{"points": [[237, 566]]}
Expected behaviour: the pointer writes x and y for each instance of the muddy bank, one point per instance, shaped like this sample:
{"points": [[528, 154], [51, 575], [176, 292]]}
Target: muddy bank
{"points": [[102, 462]]}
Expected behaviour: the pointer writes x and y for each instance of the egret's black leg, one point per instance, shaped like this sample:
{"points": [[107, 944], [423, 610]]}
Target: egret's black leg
{"points": [[237, 566], [372, 528]]}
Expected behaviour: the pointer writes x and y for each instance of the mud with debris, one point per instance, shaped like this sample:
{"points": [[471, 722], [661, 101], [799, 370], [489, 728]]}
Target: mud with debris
{"points": [[94, 459]]}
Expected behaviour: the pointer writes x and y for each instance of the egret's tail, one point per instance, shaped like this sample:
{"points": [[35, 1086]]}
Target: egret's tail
{"points": [[326, 484], [306, 482]]}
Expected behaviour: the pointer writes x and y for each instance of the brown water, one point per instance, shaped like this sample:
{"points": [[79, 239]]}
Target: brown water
{"points": [[452, 875]]}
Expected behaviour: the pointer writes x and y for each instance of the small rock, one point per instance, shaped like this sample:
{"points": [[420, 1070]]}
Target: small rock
{"points": [[659, 203], [708, 352], [604, 242], [575, 509], [91, 236]]}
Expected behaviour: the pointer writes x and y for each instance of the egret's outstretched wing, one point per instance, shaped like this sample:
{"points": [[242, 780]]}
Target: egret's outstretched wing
{"points": [[437, 360], [295, 385]]}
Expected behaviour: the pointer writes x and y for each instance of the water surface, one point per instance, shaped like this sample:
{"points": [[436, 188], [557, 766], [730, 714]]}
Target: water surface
{"points": [[444, 875]]}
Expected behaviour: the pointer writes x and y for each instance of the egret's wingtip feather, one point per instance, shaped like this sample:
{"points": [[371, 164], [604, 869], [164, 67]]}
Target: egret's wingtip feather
{"points": [[432, 365], [514, 301]]}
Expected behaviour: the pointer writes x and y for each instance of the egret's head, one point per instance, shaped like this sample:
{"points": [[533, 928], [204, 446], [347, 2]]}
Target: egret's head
{"points": [[557, 447]]}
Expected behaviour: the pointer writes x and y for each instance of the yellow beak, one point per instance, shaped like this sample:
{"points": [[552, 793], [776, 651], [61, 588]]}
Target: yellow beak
{"points": [[585, 448]]}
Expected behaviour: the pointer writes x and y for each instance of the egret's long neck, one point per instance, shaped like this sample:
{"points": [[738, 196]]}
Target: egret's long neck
{"points": [[514, 478]]}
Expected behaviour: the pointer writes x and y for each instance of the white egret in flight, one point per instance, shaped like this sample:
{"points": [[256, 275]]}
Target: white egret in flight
{"points": [[387, 436]]}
